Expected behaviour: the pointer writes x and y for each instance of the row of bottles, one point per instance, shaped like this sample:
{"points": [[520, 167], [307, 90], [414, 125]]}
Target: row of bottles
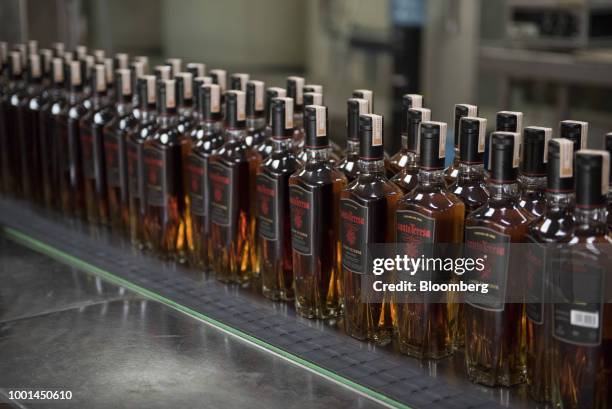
{"points": [[224, 174]]}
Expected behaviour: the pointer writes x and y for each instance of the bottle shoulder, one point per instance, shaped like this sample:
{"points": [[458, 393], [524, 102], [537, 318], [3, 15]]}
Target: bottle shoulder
{"points": [[280, 163], [319, 173], [438, 200], [504, 216], [367, 187]]}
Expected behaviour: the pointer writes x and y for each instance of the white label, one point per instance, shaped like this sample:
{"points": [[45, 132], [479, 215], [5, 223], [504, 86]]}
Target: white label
{"points": [[417, 100], [517, 149], [81, 51], [317, 98], [442, 141], [364, 106], [314, 88], [321, 120], [35, 65], [241, 105], [259, 94], [170, 90], [280, 92], [584, 319], [176, 64], [47, 58], [299, 90], [68, 57], [33, 47], [215, 98], [204, 80], [605, 173], [377, 131], [163, 71], [126, 88], [150, 89], [482, 130], [59, 48], [199, 68], [221, 76], [366, 94], [145, 62], [566, 157], [122, 60], [58, 70], [187, 84], [288, 111], [100, 77], [108, 63], [243, 78], [75, 73], [89, 63], [16, 62], [138, 67], [99, 54]]}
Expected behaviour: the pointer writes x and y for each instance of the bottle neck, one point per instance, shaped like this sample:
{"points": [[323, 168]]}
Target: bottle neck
{"points": [[235, 135], [123, 107], [532, 183], [281, 144], [166, 119], [500, 191], [352, 147], [591, 217], [404, 147], [471, 171], [431, 178], [212, 126], [371, 167], [317, 155], [559, 202], [256, 123]]}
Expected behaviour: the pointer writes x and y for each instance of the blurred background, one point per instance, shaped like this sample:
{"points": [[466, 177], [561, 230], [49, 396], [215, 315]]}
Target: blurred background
{"points": [[551, 59]]}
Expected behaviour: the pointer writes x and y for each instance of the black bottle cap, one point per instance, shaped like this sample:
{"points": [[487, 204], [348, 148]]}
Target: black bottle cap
{"points": [[176, 65], [98, 79], [504, 156], [99, 55], [371, 137], [534, 154], [313, 88], [313, 98], [166, 97], [57, 71], [184, 88], [415, 117], [409, 101], [238, 81], [147, 91], [219, 77], [46, 58], [592, 178], [462, 111], [560, 169], [255, 98], [235, 109], [315, 126], [608, 147], [163, 72], [271, 93], [282, 117], [58, 49], [355, 108], [295, 90], [110, 73], [196, 69], [432, 141], [124, 83], [122, 61], [472, 139], [509, 121], [16, 65], [366, 94], [34, 68], [75, 75], [209, 102], [576, 131]]}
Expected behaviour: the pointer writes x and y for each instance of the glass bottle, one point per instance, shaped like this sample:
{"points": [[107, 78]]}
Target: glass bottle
{"points": [[91, 133], [111, 93], [582, 316], [184, 101], [238, 81], [428, 215], [407, 177], [367, 213], [274, 223], [136, 142], [461, 111], [197, 70], [554, 226], [505, 121], [608, 147], [164, 157], [117, 133], [532, 171], [256, 119], [265, 148], [295, 90], [349, 164], [315, 98], [315, 223], [232, 173], [398, 161], [494, 335], [207, 138], [575, 131]]}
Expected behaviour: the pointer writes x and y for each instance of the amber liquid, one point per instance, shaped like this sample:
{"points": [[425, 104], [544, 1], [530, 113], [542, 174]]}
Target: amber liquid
{"points": [[367, 318], [471, 189], [318, 276], [233, 253], [495, 340], [397, 162], [407, 178]]}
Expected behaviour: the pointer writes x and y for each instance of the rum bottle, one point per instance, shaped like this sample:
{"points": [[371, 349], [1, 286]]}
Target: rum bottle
{"points": [[349, 164], [428, 215], [532, 172], [184, 100], [398, 161], [582, 313], [554, 226], [367, 213], [231, 175], [314, 192], [265, 148], [505, 121], [494, 335], [274, 222], [461, 111]]}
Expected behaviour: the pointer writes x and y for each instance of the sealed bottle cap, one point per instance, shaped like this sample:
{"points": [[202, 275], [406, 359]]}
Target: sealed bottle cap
{"points": [[472, 132], [415, 117], [58, 49], [99, 55], [560, 169], [34, 67], [87, 66], [238, 81], [509, 121], [271, 93], [196, 69], [124, 82], [409, 101], [504, 156], [121, 61], [432, 152], [255, 98], [184, 88], [68, 56], [608, 146], [295, 90], [137, 70], [315, 126], [98, 79], [371, 137], [235, 109], [534, 148], [110, 73], [209, 102], [313, 98], [199, 81], [282, 117], [16, 66], [163, 72], [146, 91], [32, 47], [576, 131], [81, 51], [219, 77], [46, 57], [76, 74], [461, 111], [592, 178], [313, 88], [57, 71], [366, 94], [166, 96], [176, 64], [355, 108]]}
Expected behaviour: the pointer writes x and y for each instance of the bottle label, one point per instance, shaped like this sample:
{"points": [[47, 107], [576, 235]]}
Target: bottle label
{"points": [[135, 159], [113, 162], [268, 203], [302, 227], [221, 178], [580, 282], [354, 235], [494, 247], [413, 227], [535, 269], [198, 184]]}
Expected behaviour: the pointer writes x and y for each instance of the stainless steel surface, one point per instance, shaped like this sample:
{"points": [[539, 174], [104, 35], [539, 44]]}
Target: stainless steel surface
{"points": [[63, 329]]}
